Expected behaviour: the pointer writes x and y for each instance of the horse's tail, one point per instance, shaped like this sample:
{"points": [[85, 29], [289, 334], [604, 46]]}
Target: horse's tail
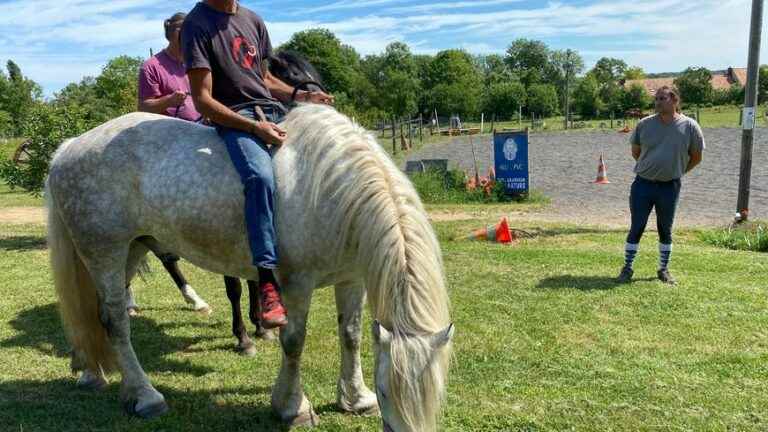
{"points": [[78, 299]]}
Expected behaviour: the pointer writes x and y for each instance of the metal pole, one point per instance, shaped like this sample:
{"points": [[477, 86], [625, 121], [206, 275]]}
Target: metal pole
{"points": [[750, 97]]}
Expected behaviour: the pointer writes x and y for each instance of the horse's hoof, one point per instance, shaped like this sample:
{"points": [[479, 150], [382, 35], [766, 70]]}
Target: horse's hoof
{"points": [[148, 412], [248, 351], [266, 335], [91, 382], [133, 312], [204, 310], [306, 419], [369, 411], [367, 406]]}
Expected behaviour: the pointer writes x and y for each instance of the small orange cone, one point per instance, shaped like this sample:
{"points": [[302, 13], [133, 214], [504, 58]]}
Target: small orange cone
{"points": [[602, 172], [499, 233], [626, 129]]}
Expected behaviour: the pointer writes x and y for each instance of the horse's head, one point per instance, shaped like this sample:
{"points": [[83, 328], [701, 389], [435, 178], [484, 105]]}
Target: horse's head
{"points": [[410, 377], [294, 70]]}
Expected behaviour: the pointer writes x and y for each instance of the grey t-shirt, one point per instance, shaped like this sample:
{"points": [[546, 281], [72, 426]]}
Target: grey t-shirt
{"points": [[665, 148], [233, 47]]}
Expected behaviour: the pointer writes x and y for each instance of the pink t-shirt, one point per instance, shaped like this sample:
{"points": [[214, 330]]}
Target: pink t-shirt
{"points": [[161, 75]]}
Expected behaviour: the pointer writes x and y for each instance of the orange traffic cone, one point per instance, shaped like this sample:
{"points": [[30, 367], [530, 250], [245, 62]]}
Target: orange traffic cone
{"points": [[602, 172], [499, 233], [626, 129]]}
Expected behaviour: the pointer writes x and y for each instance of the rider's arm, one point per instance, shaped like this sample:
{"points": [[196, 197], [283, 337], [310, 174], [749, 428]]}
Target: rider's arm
{"points": [[201, 82], [157, 105], [283, 91]]}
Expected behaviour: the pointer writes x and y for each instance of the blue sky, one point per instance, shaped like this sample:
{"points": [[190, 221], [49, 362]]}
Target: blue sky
{"points": [[60, 41]]}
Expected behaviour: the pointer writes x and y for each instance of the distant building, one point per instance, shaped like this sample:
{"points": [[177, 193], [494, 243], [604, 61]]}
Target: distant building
{"points": [[721, 80]]}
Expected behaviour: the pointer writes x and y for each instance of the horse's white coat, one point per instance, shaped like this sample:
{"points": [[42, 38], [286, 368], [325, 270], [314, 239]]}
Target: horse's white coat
{"points": [[345, 215]]}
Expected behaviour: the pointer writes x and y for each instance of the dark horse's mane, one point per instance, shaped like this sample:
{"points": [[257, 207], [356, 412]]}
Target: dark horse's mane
{"points": [[293, 69]]}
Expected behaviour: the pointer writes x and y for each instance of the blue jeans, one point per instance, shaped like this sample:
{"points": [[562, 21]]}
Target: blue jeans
{"points": [[644, 196], [253, 161]]}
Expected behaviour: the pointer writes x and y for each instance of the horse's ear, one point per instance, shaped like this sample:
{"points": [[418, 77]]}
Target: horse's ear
{"points": [[382, 335], [441, 338]]}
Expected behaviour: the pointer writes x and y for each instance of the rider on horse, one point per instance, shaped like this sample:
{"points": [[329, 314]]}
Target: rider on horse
{"points": [[225, 46]]}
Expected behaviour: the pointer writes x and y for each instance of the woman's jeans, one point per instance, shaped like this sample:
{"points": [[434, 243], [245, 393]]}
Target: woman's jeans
{"points": [[253, 161], [644, 196]]}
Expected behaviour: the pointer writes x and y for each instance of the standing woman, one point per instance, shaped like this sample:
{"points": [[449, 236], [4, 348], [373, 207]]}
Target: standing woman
{"points": [[666, 146]]}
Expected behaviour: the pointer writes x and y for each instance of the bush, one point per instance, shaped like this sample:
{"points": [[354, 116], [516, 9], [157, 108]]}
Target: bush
{"points": [[46, 128], [438, 187], [748, 236]]}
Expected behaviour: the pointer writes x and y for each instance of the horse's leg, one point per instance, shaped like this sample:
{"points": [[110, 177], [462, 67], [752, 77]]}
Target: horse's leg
{"points": [[108, 270], [130, 302], [288, 399], [234, 291], [95, 379], [171, 264], [352, 394], [254, 310]]}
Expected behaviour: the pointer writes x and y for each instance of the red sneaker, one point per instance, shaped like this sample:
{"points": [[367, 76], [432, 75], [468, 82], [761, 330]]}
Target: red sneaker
{"points": [[272, 309]]}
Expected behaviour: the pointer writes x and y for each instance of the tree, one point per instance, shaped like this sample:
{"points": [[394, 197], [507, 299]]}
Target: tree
{"points": [[695, 85], [636, 97], [336, 62], [454, 83], [608, 70], [542, 99], [494, 70], [47, 127], [528, 59], [17, 95], [504, 98], [762, 86], [117, 86], [564, 65], [586, 97], [634, 73]]}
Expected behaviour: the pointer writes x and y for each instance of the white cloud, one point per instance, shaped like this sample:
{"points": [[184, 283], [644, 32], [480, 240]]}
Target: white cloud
{"points": [[59, 41]]}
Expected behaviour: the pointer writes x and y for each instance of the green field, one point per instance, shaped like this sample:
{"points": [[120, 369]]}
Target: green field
{"points": [[545, 341]]}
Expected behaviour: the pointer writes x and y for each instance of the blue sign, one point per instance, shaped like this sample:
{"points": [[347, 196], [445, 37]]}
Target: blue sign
{"points": [[510, 155]]}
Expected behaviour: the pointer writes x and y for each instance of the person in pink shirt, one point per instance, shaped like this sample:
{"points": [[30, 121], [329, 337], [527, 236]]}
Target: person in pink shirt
{"points": [[164, 89], [163, 83]]}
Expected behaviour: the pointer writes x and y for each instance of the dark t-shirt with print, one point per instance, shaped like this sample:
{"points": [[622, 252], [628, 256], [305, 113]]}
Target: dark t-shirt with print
{"points": [[233, 47]]}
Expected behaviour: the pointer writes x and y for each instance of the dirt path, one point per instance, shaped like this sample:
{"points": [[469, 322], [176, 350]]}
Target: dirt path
{"points": [[22, 215]]}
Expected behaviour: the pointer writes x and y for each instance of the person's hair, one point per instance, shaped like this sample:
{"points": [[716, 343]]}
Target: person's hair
{"points": [[673, 93], [171, 23]]}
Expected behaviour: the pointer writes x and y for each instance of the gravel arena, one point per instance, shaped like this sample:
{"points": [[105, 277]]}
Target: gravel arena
{"points": [[564, 165]]}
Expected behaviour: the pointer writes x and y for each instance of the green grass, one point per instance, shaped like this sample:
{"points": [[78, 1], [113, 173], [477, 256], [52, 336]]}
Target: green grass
{"points": [[749, 236], [545, 341], [18, 198]]}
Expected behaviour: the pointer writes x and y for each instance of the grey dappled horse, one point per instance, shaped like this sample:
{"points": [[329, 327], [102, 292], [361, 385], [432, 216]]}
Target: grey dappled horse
{"points": [[345, 216], [293, 69]]}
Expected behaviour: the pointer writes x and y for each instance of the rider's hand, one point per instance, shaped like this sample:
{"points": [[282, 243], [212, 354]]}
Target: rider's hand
{"points": [[319, 98], [269, 132], [177, 98]]}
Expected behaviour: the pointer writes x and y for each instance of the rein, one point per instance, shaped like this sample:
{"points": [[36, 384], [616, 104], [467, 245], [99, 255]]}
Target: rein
{"points": [[305, 86]]}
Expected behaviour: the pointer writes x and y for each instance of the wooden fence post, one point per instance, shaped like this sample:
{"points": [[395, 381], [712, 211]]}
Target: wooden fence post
{"points": [[394, 145]]}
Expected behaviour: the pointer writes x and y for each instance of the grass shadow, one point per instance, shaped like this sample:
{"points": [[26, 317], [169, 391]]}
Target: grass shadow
{"points": [[39, 328], [23, 243], [582, 283], [57, 405]]}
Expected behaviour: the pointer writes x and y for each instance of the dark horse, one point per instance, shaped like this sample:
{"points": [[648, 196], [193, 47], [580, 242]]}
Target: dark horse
{"points": [[294, 70]]}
